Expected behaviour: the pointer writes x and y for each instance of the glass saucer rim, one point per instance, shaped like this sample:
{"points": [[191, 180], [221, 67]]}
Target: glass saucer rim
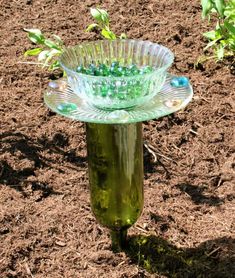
{"points": [[144, 108]]}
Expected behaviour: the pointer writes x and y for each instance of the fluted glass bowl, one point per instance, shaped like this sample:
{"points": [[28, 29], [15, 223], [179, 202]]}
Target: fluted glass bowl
{"points": [[112, 92]]}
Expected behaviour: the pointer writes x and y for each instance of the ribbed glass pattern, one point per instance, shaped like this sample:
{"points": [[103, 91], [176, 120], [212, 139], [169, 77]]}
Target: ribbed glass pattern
{"points": [[60, 98], [120, 92]]}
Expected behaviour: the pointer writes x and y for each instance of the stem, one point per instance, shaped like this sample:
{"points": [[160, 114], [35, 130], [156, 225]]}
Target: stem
{"points": [[119, 239]]}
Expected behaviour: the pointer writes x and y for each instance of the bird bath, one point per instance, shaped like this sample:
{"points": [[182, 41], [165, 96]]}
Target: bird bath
{"points": [[114, 131]]}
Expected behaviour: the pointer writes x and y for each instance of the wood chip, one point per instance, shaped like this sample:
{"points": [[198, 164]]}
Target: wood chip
{"points": [[28, 270], [60, 243]]}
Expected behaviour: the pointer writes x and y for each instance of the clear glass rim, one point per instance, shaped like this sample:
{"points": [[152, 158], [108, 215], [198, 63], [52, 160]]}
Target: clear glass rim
{"points": [[92, 77], [154, 109]]}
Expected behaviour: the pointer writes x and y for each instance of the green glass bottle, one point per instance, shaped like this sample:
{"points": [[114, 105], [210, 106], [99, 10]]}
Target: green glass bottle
{"points": [[115, 163]]}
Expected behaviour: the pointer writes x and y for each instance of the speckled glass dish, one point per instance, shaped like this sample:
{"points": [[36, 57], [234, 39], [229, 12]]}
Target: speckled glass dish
{"points": [[110, 92]]}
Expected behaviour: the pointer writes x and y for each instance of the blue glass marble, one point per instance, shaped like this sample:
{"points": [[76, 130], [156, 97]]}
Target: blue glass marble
{"points": [[180, 81], [66, 107]]}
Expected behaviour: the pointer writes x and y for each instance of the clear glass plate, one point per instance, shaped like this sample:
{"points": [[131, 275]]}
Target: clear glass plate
{"points": [[175, 94]]}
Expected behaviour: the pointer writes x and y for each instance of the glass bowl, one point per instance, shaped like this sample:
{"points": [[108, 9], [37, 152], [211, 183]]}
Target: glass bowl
{"points": [[117, 92]]}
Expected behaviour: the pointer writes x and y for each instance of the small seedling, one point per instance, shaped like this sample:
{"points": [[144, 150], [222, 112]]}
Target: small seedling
{"points": [[102, 23], [222, 38], [48, 50]]}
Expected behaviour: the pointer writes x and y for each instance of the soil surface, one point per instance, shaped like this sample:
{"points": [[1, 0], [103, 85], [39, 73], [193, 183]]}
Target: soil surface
{"points": [[187, 228]]}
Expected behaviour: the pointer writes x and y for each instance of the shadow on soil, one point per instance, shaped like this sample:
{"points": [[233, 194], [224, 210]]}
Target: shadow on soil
{"points": [[31, 154], [151, 167], [197, 196], [212, 259]]}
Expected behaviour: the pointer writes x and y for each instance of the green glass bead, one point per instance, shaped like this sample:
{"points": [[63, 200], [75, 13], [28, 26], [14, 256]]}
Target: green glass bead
{"points": [[80, 69], [112, 87], [90, 72], [102, 66], [133, 69], [111, 94], [147, 69], [123, 71], [128, 72], [104, 91], [113, 71], [118, 71], [98, 72], [66, 107], [115, 64], [103, 70], [92, 66], [121, 97]]}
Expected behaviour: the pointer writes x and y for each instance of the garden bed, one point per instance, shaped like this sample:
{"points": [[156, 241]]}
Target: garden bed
{"points": [[46, 225]]}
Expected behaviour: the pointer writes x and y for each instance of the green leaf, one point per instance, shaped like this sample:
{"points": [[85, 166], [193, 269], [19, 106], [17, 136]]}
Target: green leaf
{"points": [[33, 31], [210, 44], [95, 13], [51, 44], [211, 35], [104, 16], [220, 5], [232, 46], [220, 53], [206, 7], [91, 27], [100, 15], [229, 27], [55, 65], [36, 38], [230, 10], [108, 34], [43, 55], [32, 52], [58, 39], [54, 53], [50, 55]]}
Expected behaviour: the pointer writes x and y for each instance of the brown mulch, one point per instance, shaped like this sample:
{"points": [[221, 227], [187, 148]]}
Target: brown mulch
{"points": [[47, 229]]}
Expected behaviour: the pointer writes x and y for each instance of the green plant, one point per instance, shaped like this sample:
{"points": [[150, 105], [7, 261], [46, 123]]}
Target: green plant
{"points": [[48, 50], [222, 38], [102, 23]]}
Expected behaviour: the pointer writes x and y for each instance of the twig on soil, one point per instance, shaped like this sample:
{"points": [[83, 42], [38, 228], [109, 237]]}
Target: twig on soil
{"points": [[28, 270], [138, 227], [60, 242], [223, 116], [219, 182], [30, 63], [121, 263], [174, 145], [193, 131], [154, 152], [199, 97], [198, 124], [212, 252]]}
